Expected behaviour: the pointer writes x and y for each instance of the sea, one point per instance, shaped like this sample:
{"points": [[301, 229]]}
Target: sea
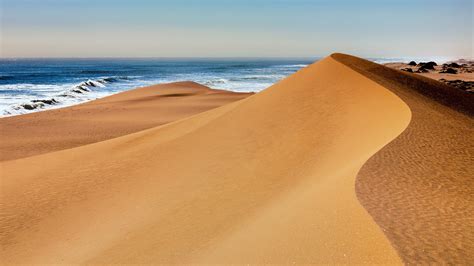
{"points": [[32, 85]]}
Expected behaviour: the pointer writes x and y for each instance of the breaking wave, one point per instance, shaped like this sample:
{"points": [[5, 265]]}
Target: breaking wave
{"points": [[86, 90]]}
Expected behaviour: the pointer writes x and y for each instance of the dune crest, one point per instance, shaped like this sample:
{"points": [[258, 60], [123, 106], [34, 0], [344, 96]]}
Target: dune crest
{"points": [[420, 187], [268, 179]]}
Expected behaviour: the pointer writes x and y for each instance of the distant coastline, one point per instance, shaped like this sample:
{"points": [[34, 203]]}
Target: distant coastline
{"points": [[34, 84], [31, 85]]}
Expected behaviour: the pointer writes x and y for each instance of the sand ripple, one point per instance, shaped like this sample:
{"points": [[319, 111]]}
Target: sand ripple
{"points": [[420, 187]]}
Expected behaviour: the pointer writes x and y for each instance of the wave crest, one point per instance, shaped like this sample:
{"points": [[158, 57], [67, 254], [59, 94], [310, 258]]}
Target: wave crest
{"points": [[77, 91]]}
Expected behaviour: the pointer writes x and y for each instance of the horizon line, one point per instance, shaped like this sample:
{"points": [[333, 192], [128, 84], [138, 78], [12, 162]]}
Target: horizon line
{"points": [[164, 57], [226, 57]]}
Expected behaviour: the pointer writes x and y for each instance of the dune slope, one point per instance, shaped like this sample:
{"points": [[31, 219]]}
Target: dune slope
{"points": [[117, 115], [420, 187], [268, 179]]}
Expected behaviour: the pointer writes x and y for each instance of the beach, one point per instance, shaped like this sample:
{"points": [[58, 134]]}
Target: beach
{"points": [[458, 73], [344, 161]]}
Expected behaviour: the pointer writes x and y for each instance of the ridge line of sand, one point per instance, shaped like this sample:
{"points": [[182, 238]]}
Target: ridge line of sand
{"points": [[269, 181], [419, 188]]}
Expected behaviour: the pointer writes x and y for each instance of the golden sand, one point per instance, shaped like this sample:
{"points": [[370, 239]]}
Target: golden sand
{"points": [[420, 187], [106, 118], [267, 179]]}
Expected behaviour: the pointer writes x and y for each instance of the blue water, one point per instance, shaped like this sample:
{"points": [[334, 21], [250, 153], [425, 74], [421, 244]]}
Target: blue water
{"points": [[30, 85]]}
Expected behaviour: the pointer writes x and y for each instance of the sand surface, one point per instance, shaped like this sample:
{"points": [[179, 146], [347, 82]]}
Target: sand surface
{"points": [[272, 178], [420, 187], [106, 118], [266, 179]]}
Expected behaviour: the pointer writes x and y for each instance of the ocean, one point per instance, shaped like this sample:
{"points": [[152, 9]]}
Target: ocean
{"points": [[31, 85]]}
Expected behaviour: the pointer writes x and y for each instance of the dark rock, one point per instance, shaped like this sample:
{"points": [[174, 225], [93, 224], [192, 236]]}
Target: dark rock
{"points": [[429, 65], [449, 71], [455, 65], [412, 63], [467, 86], [408, 70], [422, 70]]}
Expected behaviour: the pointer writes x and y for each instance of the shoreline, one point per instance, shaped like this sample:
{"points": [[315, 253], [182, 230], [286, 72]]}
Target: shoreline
{"points": [[90, 87], [27, 86], [458, 74]]}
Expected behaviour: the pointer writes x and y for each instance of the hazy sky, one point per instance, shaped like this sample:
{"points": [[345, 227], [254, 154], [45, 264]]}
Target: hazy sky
{"points": [[225, 28]]}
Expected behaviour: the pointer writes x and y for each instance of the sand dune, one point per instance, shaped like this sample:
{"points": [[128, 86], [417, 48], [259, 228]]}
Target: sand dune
{"points": [[267, 179], [106, 118], [423, 181]]}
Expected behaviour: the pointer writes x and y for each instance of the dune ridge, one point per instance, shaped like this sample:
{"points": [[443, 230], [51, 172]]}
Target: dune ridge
{"points": [[420, 187], [267, 179]]}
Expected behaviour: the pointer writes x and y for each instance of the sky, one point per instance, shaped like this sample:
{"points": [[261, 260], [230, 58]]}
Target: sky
{"points": [[233, 28]]}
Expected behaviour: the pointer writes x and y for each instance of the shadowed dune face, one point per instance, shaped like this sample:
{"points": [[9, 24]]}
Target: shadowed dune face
{"points": [[420, 187], [106, 118], [268, 179]]}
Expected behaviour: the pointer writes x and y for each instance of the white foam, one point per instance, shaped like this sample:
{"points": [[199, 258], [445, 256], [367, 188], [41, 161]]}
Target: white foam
{"points": [[38, 97]]}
